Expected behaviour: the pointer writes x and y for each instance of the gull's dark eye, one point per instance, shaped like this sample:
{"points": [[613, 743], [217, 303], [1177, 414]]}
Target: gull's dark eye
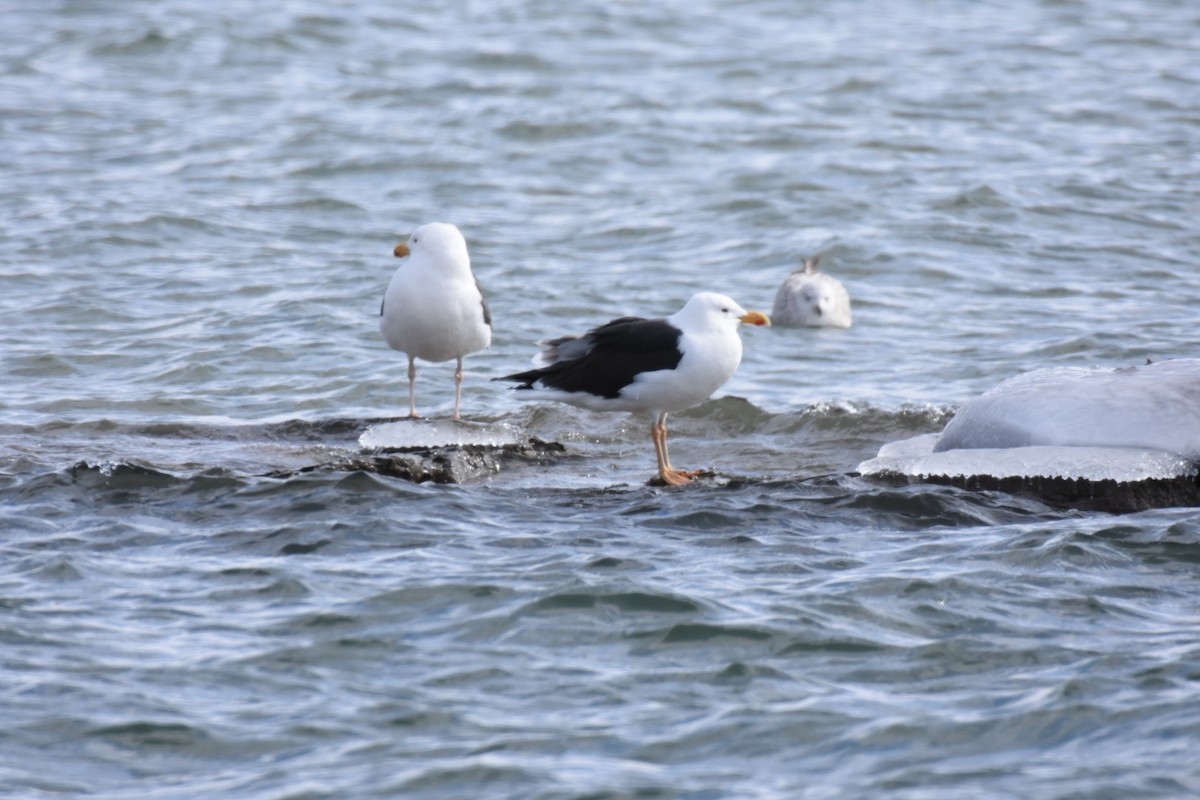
{"points": [[724, 310]]}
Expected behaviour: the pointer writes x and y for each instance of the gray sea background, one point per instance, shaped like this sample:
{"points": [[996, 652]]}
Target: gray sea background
{"points": [[198, 598]]}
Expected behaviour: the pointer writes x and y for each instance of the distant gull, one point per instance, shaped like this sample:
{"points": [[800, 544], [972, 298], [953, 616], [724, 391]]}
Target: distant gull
{"points": [[808, 298], [433, 308], [653, 366]]}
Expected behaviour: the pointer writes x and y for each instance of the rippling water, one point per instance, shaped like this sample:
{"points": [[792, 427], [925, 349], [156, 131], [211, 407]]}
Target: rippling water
{"points": [[202, 597]]}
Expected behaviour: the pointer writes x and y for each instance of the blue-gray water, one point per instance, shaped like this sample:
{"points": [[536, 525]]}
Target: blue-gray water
{"points": [[200, 201]]}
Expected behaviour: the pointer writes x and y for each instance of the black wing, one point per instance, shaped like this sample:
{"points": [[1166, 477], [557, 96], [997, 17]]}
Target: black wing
{"points": [[615, 354]]}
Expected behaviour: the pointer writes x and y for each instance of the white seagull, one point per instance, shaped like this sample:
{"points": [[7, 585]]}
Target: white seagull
{"points": [[808, 298], [652, 366], [433, 308]]}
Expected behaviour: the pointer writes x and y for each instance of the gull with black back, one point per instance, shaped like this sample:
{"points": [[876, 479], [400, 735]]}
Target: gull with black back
{"points": [[651, 366]]}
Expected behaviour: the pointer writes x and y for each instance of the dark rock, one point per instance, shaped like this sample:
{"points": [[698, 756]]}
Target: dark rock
{"points": [[449, 464], [1115, 497]]}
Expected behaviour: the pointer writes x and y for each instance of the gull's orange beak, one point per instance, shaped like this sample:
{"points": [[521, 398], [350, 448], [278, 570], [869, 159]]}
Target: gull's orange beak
{"points": [[756, 318], [401, 250]]}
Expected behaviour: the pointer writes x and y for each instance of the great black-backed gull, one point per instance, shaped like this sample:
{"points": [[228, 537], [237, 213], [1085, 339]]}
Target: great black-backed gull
{"points": [[654, 366], [433, 308], [808, 298]]}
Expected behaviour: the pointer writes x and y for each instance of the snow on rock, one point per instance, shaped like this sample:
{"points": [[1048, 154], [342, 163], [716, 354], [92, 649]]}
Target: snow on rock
{"points": [[1154, 407]]}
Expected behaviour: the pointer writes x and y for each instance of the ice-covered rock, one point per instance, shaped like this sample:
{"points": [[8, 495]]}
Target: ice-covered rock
{"points": [[1113, 439], [1154, 407], [445, 451]]}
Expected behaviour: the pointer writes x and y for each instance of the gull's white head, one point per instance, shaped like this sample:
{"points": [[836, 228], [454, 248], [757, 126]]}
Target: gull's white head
{"points": [[436, 243], [710, 308]]}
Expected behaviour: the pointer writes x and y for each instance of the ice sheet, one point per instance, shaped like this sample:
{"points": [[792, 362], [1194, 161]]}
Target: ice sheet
{"points": [[915, 458], [412, 434]]}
